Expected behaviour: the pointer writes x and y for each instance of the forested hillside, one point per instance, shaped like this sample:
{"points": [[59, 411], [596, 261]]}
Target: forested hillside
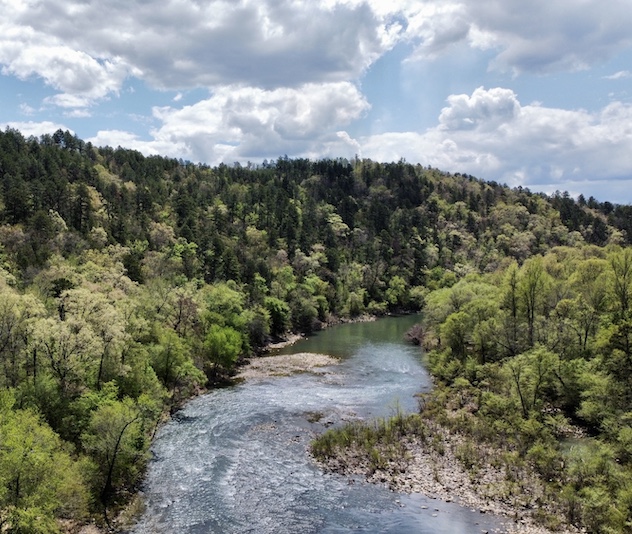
{"points": [[128, 283]]}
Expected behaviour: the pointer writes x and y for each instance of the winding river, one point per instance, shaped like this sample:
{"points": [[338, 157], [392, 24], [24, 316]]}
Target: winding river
{"points": [[235, 460]]}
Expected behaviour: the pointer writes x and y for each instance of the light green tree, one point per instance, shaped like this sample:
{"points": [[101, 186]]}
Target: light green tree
{"points": [[39, 480], [222, 347], [116, 440]]}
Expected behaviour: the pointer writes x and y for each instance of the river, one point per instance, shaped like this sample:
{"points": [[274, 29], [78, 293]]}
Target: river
{"points": [[235, 460]]}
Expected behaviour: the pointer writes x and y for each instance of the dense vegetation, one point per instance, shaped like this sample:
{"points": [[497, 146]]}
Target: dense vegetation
{"points": [[536, 360], [128, 283], [529, 355]]}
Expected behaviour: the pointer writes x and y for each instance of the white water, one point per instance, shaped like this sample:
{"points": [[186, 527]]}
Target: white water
{"points": [[235, 460]]}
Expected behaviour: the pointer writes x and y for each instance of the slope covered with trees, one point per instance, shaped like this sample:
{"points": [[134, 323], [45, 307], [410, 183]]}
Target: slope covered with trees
{"points": [[128, 283], [538, 357]]}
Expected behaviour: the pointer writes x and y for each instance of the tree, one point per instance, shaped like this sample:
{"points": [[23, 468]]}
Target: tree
{"points": [[533, 376], [532, 291], [118, 445], [397, 293], [511, 306], [279, 315], [621, 282], [171, 360], [105, 321], [455, 331], [222, 347], [72, 351], [39, 480], [17, 314]]}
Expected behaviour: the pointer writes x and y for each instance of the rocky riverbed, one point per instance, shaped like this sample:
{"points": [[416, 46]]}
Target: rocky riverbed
{"points": [[285, 365], [446, 467], [438, 468]]}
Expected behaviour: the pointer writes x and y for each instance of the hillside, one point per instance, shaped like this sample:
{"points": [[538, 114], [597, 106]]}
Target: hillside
{"points": [[128, 283]]}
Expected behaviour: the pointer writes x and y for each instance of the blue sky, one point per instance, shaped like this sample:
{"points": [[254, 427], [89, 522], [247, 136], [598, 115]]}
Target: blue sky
{"points": [[536, 93]]}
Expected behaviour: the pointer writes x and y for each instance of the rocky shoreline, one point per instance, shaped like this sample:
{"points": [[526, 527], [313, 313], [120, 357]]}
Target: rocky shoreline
{"points": [[436, 468]]}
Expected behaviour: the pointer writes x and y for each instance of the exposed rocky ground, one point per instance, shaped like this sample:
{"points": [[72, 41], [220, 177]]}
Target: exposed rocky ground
{"points": [[284, 365], [446, 467]]}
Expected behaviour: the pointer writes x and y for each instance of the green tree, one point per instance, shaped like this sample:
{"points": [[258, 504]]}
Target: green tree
{"points": [[532, 290], [455, 332], [173, 365], [116, 440], [222, 347], [279, 315], [71, 350], [621, 282], [534, 379], [39, 480]]}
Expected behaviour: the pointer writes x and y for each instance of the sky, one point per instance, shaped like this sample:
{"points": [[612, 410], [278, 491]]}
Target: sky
{"points": [[535, 94]]}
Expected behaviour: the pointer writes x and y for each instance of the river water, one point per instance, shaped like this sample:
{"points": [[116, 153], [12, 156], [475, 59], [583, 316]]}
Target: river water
{"points": [[235, 460]]}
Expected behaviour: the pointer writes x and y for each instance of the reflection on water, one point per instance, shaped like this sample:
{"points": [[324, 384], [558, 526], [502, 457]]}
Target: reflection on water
{"points": [[236, 460]]}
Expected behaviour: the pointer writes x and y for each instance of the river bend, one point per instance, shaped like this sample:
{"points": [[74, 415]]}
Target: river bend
{"points": [[235, 460]]}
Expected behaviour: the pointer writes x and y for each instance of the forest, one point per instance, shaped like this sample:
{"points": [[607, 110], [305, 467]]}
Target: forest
{"points": [[130, 283]]}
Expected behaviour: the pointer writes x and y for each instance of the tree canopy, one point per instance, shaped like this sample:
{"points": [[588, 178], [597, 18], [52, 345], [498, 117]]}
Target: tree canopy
{"points": [[128, 283]]}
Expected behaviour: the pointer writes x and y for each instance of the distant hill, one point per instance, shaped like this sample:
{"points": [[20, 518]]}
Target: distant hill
{"points": [[412, 218]]}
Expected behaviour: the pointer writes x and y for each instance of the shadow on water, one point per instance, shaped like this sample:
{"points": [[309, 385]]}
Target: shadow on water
{"points": [[236, 461]]}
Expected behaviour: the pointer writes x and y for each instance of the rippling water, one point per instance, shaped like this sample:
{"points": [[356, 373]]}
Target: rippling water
{"points": [[235, 460]]}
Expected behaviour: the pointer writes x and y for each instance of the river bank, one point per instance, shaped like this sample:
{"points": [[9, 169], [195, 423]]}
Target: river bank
{"points": [[447, 467], [284, 365], [443, 465]]}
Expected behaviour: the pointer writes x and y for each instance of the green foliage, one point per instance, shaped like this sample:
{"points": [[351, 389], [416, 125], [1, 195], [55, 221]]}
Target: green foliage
{"points": [[39, 480], [222, 347], [279, 315], [116, 441], [381, 440], [124, 279], [528, 350]]}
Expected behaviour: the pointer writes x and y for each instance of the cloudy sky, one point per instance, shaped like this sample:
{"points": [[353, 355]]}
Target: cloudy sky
{"points": [[535, 93]]}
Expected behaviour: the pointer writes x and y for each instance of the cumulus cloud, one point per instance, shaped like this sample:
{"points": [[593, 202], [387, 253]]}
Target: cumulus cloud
{"points": [[34, 128], [88, 48], [435, 26], [241, 123], [491, 135], [28, 49], [485, 109], [538, 36], [544, 36]]}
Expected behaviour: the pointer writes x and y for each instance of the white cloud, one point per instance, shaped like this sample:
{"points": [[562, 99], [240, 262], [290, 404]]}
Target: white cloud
{"points": [[81, 78], [491, 135], [116, 138], [25, 109], [620, 75], [487, 109], [32, 128], [545, 36], [536, 36], [241, 123], [186, 43], [86, 49], [436, 26]]}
